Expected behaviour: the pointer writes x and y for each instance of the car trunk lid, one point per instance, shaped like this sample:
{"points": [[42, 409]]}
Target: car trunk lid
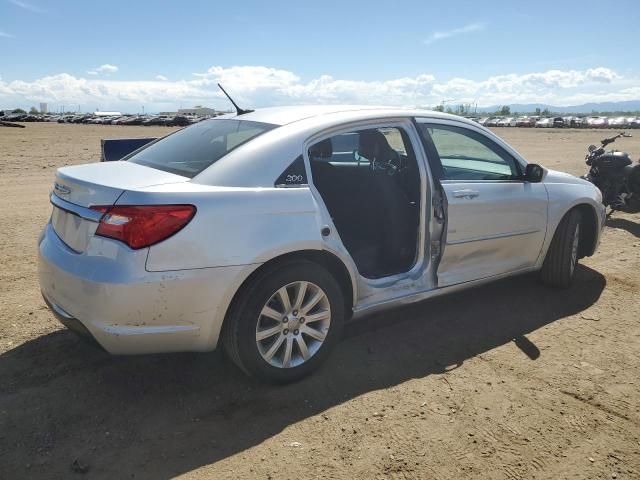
{"points": [[78, 188]]}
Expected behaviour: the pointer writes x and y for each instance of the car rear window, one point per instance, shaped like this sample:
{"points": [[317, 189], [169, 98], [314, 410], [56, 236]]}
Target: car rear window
{"points": [[189, 151]]}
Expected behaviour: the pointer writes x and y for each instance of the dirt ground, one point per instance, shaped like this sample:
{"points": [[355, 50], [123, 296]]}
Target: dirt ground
{"points": [[508, 381]]}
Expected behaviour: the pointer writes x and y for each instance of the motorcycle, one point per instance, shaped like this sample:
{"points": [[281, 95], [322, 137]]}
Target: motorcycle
{"points": [[615, 174]]}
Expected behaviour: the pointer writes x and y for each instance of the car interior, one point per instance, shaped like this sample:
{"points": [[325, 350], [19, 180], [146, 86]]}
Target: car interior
{"points": [[370, 182]]}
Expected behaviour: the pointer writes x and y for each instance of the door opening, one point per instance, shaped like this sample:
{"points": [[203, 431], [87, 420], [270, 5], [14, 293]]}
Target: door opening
{"points": [[370, 182]]}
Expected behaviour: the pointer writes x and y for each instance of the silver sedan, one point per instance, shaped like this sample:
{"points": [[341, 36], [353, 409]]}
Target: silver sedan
{"points": [[266, 231]]}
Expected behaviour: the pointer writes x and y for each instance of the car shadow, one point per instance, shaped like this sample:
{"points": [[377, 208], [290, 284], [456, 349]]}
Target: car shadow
{"points": [[67, 400], [623, 224]]}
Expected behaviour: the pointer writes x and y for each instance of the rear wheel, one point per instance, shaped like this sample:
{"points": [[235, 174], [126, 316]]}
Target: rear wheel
{"points": [[285, 322], [560, 263]]}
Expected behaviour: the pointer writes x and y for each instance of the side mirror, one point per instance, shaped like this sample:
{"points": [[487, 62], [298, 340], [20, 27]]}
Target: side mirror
{"points": [[533, 173]]}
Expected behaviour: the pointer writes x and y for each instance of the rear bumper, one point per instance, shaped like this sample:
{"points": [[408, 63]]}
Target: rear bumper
{"points": [[68, 321], [108, 293]]}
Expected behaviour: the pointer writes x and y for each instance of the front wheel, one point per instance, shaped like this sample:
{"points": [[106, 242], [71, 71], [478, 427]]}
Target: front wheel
{"points": [[560, 263], [285, 322]]}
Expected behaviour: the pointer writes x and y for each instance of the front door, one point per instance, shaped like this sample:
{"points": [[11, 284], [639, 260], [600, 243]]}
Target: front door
{"points": [[496, 221]]}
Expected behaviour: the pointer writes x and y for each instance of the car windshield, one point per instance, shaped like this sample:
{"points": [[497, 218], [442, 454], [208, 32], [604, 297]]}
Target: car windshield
{"points": [[189, 151]]}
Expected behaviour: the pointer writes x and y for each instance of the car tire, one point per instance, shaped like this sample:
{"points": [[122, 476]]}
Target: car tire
{"points": [[264, 294], [559, 265]]}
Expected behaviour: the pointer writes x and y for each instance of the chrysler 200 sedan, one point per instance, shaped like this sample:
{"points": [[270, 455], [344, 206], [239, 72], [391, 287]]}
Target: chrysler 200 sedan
{"points": [[266, 231]]}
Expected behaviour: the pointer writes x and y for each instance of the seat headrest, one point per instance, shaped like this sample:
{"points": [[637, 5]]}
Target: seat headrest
{"points": [[374, 145], [323, 149]]}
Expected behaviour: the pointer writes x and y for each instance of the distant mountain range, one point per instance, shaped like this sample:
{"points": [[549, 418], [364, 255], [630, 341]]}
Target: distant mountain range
{"points": [[626, 106]]}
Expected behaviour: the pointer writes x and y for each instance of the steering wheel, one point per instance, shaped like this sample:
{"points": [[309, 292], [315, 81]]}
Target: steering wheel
{"points": [[392, 166]]}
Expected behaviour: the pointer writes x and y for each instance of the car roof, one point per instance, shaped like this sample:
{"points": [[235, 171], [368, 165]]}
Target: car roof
{"points": [[259, 162], [291, 114]]}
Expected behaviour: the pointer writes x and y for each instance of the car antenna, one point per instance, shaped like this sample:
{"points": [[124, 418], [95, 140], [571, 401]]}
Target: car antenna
{"points": [[239, 111]]}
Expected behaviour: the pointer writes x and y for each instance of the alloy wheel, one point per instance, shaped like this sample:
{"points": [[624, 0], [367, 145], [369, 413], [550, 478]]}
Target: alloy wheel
{"points": [[293, 324]]}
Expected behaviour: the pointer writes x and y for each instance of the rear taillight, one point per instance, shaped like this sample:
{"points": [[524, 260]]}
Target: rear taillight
{"points": [[143, 225]]}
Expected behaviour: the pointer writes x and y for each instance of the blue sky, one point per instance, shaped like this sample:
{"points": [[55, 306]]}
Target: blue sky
{"points": [[163, 54]]}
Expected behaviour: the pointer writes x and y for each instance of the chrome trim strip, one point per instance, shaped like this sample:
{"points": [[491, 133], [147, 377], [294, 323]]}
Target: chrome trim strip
{"points": [[296, 185], [493, 237], [82, 212], [451, 181]]}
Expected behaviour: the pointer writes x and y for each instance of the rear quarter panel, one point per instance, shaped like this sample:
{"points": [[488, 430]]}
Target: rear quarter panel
{"points": [[232, 226]]}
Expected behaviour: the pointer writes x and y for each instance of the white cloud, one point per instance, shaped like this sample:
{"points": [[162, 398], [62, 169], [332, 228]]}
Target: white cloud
{"points": [[472, 27], [259, 86], [6, 35], [105, 68], [161, 78], [27, 6], [601, 74]]}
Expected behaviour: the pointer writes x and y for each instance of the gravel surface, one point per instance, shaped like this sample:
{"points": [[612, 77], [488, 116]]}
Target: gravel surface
{"points": [[512, 380]]}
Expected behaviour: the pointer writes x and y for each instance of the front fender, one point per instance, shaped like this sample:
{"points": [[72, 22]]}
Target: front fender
{"points": [[563, 197]]}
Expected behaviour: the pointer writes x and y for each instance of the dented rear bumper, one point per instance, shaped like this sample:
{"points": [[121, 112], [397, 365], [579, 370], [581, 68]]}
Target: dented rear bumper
{"points": [[107, 293]]}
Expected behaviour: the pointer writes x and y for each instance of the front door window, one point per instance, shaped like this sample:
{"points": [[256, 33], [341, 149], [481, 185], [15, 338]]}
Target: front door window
{"points": [[467, 155]]}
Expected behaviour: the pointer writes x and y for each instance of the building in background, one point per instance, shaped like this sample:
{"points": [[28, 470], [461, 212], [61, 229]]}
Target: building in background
{"points": [[44, 108], [197, 112]]}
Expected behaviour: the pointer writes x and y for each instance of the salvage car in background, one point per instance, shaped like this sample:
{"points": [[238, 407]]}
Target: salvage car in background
{"points": [[618, 122], [558, 122], [597, 122], [573, 122], [267, 230], [525, 122], [544, 123], [507, 122]]}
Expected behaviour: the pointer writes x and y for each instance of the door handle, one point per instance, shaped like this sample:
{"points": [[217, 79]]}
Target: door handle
{"points": [[466, 193]]}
